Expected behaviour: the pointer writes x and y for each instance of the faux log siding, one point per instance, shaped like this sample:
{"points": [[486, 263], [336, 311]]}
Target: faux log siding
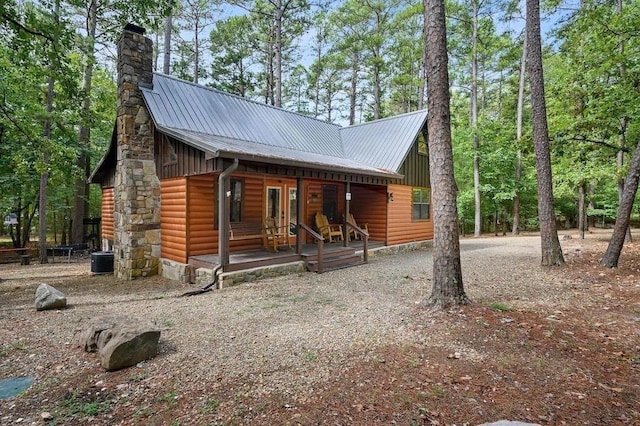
{"points": [[202, 204], [312, 207], [252, 210], [401, 228], [369, 205], [173, 214], [108, 207], [203, 237]]}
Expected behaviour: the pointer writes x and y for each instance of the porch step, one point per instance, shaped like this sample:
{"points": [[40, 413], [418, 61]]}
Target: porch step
{"points": [[329, 252], [332, 262]]}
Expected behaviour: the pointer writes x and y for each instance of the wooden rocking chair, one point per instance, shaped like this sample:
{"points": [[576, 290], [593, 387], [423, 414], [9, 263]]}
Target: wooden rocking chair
{"points": [[327, 230], [274, 235], [352, 232]]}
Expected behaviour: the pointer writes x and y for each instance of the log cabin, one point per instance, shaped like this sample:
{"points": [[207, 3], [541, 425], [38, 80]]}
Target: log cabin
{"points": [[192, 172]]}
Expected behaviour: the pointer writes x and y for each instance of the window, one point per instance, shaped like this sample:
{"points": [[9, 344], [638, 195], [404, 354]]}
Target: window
{"points": [[169, 153], [237, 189], [423, 148], [236, 198], [421, 204], [330, 202]]}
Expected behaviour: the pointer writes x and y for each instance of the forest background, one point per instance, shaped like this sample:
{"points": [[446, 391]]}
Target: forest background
{"points": [[341, 61]]}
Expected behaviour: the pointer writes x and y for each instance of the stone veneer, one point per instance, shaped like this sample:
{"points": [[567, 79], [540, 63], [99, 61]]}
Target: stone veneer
{"points": [[137, 187]]}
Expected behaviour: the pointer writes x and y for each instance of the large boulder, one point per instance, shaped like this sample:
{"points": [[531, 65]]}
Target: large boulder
{"points": [[48, 297], [121, 341]]}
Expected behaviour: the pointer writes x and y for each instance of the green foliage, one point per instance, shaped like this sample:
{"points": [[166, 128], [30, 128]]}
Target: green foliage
{"points": [[357, 50], [233, 46], [593, 101], [499, 306], [77, 405]]}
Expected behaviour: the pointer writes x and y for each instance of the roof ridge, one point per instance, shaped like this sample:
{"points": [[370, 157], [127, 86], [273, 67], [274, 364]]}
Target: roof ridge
{"points": [[419, 111], [211, 89]]}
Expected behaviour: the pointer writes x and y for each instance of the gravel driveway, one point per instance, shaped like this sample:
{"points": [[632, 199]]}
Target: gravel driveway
{"points": [[267, 332]]}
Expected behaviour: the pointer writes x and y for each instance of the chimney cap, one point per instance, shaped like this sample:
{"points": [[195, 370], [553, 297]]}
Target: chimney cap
{"points": [[134, 28]]}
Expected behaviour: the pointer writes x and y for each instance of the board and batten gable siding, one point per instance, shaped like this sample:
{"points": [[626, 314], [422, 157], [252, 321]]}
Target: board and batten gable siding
{"points": [[108, 207], [401, 228], [176, 159], [173, 217], [415, 168]]}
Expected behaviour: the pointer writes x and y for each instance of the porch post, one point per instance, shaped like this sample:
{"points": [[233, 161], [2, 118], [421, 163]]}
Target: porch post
{"points": [[224, 203], [299, 207], [347, 205]]}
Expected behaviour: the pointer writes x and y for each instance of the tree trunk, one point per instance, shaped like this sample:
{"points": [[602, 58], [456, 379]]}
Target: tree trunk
{"points": [[623, 127], [612, 255], [447, 287], [591, 220], [354, 88], [196, 53], [82, 187], [166, 63], [44, 176], [620, 164], [582, 209], [377, 98], [44, 180], [277, 74], [551, 250], [423, 70], [515, 230], [474, 123]]}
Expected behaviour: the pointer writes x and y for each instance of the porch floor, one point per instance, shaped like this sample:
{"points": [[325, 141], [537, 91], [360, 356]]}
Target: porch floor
{"points": [[241, 260]]}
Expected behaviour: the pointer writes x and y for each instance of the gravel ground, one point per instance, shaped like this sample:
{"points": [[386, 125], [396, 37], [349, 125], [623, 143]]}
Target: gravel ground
{"points": [[265, 333]]}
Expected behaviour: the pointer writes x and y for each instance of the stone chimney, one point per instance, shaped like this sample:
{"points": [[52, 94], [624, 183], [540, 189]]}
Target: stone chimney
{"points": [[137, 187]]}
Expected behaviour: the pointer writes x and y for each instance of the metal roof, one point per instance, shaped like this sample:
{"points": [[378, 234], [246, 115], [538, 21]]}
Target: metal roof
{"points": [[227, 125], [383, 143], [183, 105]]}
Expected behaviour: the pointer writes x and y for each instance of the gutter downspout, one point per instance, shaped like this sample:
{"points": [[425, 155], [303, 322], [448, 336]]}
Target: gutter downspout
{"points": [[223, 214]]}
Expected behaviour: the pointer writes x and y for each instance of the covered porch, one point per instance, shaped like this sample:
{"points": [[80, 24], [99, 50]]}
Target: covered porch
{"points": [[248, 259]]}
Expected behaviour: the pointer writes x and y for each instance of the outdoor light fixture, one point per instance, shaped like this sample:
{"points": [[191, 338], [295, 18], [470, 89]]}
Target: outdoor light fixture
{"points": [[389, 196]]}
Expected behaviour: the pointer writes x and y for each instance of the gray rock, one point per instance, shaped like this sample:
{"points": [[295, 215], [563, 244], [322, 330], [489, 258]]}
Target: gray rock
{"points": [[48, 297], [121, 341]]}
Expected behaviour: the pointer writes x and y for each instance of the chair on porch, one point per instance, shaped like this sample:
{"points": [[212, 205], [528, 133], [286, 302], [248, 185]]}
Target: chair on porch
{"points": [[274, 235], [352, 233], [327, 230]]}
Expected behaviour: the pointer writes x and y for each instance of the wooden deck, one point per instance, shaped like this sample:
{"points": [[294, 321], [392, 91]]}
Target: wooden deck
{"points": [[259, 258]]}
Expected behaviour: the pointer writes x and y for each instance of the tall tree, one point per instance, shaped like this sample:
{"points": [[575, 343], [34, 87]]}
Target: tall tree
{"points": [[551, 250], [349, 33], [475, 7], [84, 132], [168, 32], [195, 16], [46, 157], [515, 229], [611, 256], [233, 46], [447, 288], [279, 23]]}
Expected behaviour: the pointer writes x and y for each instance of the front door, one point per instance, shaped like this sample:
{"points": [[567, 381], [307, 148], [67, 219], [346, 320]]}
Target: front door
{"points": [[282, 205]]}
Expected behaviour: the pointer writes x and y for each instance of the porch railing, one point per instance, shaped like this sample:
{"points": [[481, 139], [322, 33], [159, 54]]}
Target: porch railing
{"points": [[363, 234], [319, 243]]}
